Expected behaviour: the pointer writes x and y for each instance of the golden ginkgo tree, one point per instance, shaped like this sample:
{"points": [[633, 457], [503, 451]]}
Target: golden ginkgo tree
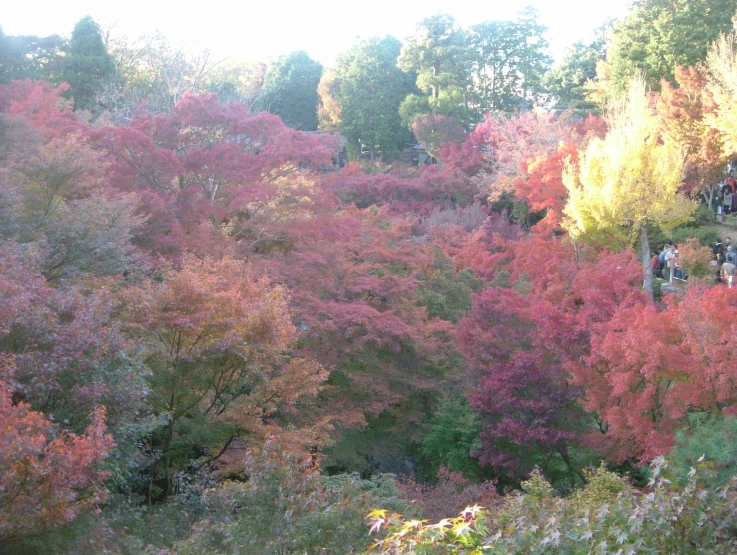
{"points": [[627, 181]]}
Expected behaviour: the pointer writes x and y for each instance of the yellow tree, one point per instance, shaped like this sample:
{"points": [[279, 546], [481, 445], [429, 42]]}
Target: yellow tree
{"points": [[627, 181], [722, 70]]}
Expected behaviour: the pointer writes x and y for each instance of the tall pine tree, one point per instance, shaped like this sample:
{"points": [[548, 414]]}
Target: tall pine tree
{"points": [[88, 63]]}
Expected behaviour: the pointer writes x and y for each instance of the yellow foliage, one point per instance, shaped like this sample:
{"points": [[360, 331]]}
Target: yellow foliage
{"points": [[603, 487], [722, 65], [628, 179]]}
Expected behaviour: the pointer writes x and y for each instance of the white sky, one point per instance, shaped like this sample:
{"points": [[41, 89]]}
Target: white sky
{"points": [[263, 29]]}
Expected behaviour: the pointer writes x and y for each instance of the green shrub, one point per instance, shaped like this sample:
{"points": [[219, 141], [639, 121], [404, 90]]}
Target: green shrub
{"points": [[706, 234], [713, 437], [609, 516], [284, 508]]}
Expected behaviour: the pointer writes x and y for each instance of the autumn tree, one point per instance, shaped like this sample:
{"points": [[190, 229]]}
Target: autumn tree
{"points": [[215, 340], [47, 475], [328, 108], [42, 105], [212, 173], [497, 153], [649, 369], [687, 113], [529, 413], [722, 88], [627, 181], [57, 188], [433, 130]]}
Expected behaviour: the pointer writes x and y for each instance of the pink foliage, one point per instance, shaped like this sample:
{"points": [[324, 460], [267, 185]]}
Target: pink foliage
{"points": [[42, 104]]}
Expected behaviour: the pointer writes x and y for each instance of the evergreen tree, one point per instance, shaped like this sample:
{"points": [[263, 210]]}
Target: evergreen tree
{"points": [[290, 90], [571, 79], [6, 57], [88, 63], [659, 35], [509, 61], [31, 57], [368, 87], [439, 55]]}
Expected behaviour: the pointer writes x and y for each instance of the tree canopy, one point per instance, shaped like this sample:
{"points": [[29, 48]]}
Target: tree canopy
{"points": [[290, 90]]}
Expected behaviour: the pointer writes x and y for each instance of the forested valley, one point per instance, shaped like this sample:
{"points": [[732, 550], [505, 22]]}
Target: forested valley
{"points": [[410, 303]]}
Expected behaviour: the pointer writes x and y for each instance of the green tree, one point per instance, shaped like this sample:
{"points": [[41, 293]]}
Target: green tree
{"points": [[627, 181], [567, 80], [290, 90], [369, 87], [447, 294], [31, 57], [494, 47], [412, 107], [510, 58], [7, 57], [88, 64], [454, 436], [659, 35], [439, 55], [533, 60]]}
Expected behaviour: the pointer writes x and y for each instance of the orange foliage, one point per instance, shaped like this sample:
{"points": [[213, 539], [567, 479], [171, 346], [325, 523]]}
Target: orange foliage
{"points": [[46, 478]]}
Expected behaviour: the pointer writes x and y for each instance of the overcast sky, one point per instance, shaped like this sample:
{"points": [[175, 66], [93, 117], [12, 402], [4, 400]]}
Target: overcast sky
{"points": [[264, 29]]}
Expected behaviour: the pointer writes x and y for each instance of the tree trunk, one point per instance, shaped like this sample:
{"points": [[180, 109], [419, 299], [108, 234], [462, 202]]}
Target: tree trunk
{"points": [[647, 271]]}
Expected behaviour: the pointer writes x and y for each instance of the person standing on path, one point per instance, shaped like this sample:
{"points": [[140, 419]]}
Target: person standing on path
{"points": [[670, 261], [728, 272]]}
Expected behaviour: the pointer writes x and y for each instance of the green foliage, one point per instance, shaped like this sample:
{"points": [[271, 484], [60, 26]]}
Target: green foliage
{"points": [[659, 35], [703, 216], [283, 508], [567, 80], [709, 437], [290, 90], [454, 437], [608, 516], [365, 116], [396, 392], [447, 294], [411, 108], [31, 57], [706, 234], [437, 54], [88, 63]]}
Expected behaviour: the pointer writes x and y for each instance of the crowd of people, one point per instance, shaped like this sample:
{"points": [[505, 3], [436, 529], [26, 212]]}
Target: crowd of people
{"points": [[725, 200], [725, 259], [666, 264]]}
